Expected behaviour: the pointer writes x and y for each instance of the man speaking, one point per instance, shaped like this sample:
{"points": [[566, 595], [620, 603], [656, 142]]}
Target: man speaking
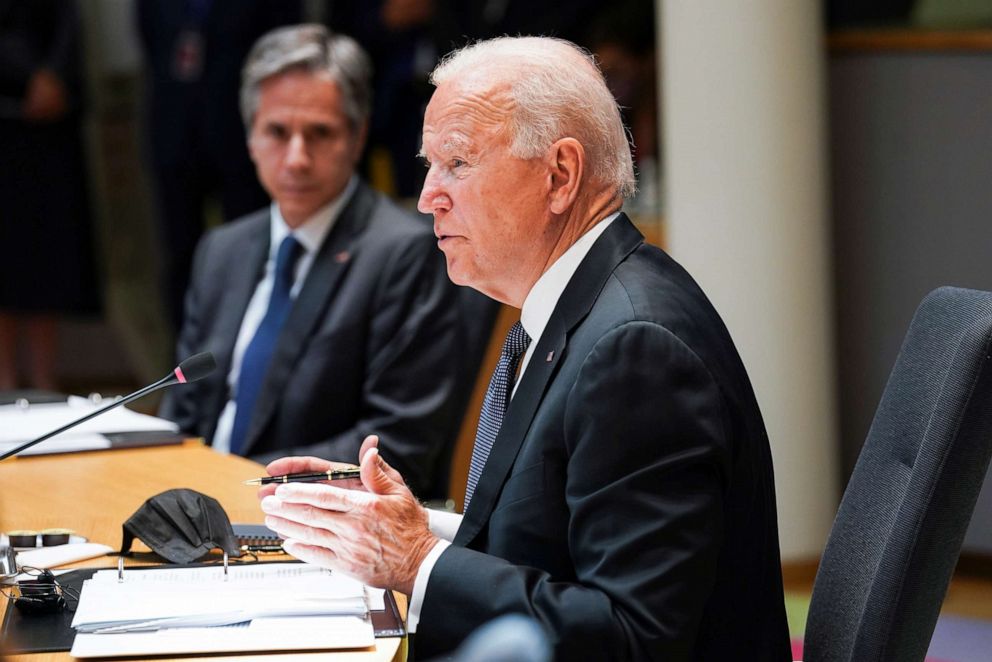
{"points": [[620, 491]]}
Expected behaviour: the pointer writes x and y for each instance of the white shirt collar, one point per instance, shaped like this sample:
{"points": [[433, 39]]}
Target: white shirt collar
{"points": [[544, 295], [312, 232]]}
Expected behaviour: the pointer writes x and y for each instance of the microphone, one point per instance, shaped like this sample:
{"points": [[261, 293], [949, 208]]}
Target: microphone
{"points": [[192, 369]]}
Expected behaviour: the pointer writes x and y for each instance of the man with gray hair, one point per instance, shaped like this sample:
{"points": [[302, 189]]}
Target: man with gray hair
{"points": [[620, 491], [329, 312]]}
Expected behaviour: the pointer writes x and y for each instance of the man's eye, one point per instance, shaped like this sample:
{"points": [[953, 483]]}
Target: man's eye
{"points": [[321, 133], [457, 163], [276, 131]]}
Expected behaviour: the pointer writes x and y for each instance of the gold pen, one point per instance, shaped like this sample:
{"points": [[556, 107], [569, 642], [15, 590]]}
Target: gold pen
{"points": [[332, 474]]}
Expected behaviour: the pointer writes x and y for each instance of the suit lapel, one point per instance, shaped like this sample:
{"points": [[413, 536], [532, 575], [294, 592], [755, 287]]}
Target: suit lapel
{"points": [[329, 266], [243, 275], [612, 247]]}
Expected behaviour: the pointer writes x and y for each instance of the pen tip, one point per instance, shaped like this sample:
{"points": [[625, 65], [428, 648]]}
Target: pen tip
{"points": [[253, 481]]}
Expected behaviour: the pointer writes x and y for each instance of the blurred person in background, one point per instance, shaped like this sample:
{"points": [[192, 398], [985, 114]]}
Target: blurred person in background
{"points": [[48, 266], [405, 39], [195, 139]]}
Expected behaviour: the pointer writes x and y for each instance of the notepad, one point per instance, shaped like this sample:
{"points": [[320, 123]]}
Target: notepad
{"points": [[257, 607]]}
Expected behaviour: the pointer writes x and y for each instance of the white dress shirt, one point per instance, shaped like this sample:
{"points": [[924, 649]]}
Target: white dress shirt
{"points": [[537, 309], [311, 235]]}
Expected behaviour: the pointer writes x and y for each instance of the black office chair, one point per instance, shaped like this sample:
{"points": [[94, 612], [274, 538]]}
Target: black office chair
{"points": [[509, 638], [901, 523]]}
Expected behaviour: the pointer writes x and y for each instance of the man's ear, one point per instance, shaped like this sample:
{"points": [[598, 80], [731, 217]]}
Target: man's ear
{"points": [[250, 139], [567, 161]]}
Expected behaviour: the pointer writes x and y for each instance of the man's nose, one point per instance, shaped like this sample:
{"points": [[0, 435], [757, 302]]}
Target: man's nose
{"points": [[432, 197], [297, 155]]}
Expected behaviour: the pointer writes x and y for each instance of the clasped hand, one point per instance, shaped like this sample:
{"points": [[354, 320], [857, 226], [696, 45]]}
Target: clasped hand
{"points": [[373, 529]]}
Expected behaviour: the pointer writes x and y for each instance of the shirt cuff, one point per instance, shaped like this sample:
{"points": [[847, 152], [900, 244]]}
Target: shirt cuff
{"points": [[443, 524], [420, 584]]}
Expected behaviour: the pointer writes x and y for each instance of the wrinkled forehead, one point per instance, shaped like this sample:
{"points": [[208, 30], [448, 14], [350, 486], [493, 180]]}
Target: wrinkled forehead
{"points": [[467, 111]]}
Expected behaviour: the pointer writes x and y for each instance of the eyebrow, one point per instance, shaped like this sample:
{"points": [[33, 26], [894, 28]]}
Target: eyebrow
{"points": [[452, 142]]}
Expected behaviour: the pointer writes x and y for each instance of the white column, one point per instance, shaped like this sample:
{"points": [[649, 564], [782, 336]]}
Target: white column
{"points": [[745, 171]]}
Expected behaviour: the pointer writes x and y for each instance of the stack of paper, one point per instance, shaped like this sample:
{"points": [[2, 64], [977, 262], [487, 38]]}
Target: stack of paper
{"points": [[20, 424], [255, 607]]}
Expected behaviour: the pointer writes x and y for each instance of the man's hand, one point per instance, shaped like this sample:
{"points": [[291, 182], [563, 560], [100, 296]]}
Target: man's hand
{"points": [[312, 465], [379, 535]]}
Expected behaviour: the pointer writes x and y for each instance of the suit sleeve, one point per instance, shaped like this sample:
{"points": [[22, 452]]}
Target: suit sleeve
{"points": [[645, 441], [413, 354]]}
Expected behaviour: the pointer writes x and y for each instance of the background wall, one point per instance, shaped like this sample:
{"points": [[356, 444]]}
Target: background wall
{"points": [[911, 154], [745, 167]]}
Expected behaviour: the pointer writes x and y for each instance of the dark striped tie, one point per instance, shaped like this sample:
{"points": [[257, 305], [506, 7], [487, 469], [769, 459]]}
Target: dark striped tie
{"points": [[495, 403], [255, 361]]}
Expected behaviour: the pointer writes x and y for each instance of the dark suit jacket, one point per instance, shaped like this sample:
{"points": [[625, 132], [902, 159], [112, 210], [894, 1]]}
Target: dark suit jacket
{"points": [[371, 345], [628, 503]]}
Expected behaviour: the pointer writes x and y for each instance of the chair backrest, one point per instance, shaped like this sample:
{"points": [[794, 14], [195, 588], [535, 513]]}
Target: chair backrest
{"points": [[901, 523], [509, 638]]}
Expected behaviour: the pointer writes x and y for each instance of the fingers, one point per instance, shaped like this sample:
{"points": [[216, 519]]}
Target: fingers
{"points": [[306, 523], [371, 441], [378, 477], [302, 464], [379, 536], [318, 496], [297, 465], [321, 556], [290, 529]]}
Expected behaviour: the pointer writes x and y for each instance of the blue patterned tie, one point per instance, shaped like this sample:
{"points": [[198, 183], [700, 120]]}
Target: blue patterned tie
{"points": [[495, 403], [255, 361]]}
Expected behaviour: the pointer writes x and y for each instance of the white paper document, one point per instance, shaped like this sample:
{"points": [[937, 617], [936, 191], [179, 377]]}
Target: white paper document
{"points": [[258, 607], [20, 424], [50, 557]]}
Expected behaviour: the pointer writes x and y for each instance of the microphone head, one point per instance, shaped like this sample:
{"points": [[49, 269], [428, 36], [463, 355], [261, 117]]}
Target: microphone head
{"points": [[195, 367]]}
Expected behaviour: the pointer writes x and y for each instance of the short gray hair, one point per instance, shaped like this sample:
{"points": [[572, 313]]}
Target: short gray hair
{"points": [[557, 90], [312, 48]]}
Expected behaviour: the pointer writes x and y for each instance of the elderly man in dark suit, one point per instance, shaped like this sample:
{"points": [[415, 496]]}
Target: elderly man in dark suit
{"points": [[621, 489], [329, 313]]}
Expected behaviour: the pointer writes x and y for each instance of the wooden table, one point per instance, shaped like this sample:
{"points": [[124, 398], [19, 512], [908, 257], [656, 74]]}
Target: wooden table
{"points": [[93, 493]]}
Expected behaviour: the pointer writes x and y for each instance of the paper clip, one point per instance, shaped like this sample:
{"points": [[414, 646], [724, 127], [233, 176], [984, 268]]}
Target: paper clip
{"points": [[120, 569], [225, 566]]}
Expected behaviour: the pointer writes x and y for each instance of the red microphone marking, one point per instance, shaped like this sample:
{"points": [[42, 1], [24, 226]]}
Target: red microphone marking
{"points": [[180, 376]]}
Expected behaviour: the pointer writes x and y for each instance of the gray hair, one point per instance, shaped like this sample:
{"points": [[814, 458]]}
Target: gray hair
{"points": [[557, 90], [312, 48]]}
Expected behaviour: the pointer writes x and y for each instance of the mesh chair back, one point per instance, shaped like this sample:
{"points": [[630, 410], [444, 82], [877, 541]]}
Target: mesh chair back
{"points": [[901, 523]]}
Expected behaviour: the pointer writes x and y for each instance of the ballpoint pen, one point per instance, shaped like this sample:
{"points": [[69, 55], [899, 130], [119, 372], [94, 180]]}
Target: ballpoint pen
{"points": [[332, 474]]}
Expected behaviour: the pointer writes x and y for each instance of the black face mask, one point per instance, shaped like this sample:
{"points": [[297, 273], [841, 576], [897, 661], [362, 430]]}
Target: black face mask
{"points": [[181, 526]]}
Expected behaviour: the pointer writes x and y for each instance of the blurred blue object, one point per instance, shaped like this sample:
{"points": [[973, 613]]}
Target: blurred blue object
{"points": [[511, 638]]}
